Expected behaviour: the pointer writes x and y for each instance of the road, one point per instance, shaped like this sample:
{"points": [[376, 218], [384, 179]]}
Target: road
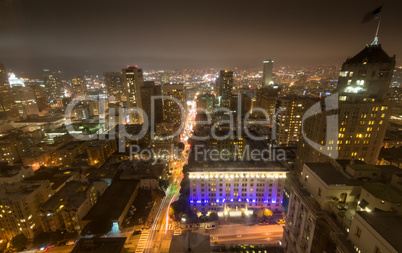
{"points": [[158, 237], [243, 234]]}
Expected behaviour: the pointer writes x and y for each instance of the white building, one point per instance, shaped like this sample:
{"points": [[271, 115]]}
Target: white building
{"points": [[232, 187], [377, 232]]}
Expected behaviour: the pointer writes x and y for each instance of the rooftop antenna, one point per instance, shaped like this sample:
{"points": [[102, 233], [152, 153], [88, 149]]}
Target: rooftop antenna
{"points": [[375, 42], [372, 15]]}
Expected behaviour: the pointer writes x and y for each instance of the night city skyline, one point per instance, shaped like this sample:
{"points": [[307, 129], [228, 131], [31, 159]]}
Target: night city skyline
{"points": [[99, 36], [200, 126]]}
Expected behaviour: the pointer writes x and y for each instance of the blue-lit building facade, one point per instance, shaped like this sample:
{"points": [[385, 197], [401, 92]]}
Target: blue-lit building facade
{"points": [[235, 189]]}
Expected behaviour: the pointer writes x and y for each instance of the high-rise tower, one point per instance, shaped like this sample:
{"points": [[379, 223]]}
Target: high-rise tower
{"points": [[53, 85], [79, 86], [225, 87], [363, 110], [267, 78], [7, 103], [114, 85], [133, 81]]}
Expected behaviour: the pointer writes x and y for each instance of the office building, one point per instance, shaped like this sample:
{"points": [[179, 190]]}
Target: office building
{"points": [[40, 95], [100, 151], [224, 86], [19, 203], [206, 102], [288, 120], [233, 188], [133, 81], [25, 101], [326, 197], [13, 174], [111, 207], [52, 85], [114, 85], [376, 232], [79, 86], [148, 91], [7, 104], [267, 77], [172, 110], [66, 208], [65, 154], [363, 111]]}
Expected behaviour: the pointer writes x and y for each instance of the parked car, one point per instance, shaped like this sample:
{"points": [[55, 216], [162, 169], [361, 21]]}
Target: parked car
{"points": [[281, 221], [137, 232]]}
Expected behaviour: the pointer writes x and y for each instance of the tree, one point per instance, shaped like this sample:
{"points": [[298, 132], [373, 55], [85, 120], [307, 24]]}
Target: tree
{"points": [[213, 216], [259, 213], [180, 146], [19, 242], [178, 208], [164, 184], [97, 227], [268, 213]]}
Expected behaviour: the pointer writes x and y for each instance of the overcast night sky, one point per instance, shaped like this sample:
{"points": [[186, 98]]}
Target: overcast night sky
{"points": [[78, 35]]}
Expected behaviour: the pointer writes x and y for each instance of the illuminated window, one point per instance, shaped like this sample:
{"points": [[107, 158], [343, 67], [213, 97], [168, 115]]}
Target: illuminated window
{"points": [[378, 250], [358, 232]]}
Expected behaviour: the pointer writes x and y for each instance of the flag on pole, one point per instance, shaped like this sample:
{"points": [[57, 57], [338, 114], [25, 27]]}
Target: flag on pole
{"points": [[372, 15]]}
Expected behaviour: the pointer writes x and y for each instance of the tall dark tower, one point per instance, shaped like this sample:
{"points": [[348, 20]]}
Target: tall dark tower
{"points": [[133, 81], [7, 103], [53, 85], [363, 110], [114, 85], [267, 78], [225, 87]]}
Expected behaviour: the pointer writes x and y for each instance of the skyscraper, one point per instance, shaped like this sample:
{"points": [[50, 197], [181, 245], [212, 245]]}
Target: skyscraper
{"points": [[267, 78], [79, 86], [25, 101], [289, 119], [40, 96], [7, 104], [133, 81], [363, 113], [172, 112], [114, 85], [53, 85], [147, 92], [225, 87]]}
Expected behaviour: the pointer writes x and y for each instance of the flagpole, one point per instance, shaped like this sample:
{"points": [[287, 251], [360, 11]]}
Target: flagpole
{"points": [[375, 42]]}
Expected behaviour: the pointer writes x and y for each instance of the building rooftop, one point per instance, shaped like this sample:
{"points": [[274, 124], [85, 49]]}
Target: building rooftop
{"points": [[344, 162], [41, 119], [236, 166], [99, 245], [371, 54], [71, 145], [16, 191], [113, 201], [330, 175], [364, 167], [384, 192], [380, 221], [9, 170], [72, 195]]}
